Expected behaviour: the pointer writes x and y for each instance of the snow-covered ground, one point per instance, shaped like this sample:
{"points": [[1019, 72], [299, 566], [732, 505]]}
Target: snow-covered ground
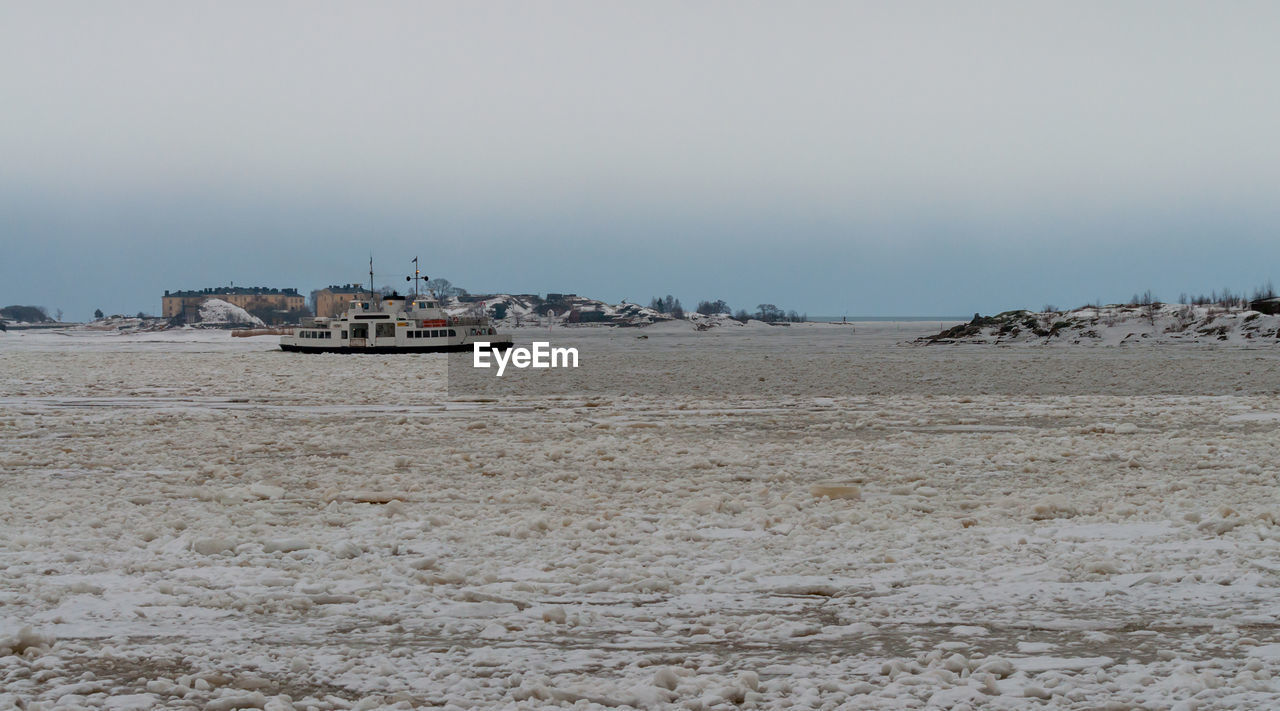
{"points": [[195, 521]]}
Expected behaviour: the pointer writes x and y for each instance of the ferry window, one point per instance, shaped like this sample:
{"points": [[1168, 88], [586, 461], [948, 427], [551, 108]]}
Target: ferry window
{"points": [[452, 332], [328, 334], [344, 334]]}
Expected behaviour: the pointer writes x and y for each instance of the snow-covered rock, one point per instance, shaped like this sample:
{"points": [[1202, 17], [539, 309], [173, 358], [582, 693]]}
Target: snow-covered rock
{"points": [[216, 312], [529, 310], [1119, 325]]}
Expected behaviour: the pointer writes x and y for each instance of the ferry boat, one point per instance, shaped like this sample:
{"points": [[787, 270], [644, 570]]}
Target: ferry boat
{"points": [[394, 324]]}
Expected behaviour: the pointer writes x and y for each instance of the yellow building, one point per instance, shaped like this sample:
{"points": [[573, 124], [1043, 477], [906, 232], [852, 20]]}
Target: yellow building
{"points": [[332, 300], [274, 303]]}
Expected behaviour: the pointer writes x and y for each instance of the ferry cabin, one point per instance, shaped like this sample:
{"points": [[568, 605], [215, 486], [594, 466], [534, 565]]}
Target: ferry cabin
{"points": [[388, 326]]}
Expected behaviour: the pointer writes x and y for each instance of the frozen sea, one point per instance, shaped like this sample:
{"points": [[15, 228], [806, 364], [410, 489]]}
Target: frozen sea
{"points": [[767, 517]]}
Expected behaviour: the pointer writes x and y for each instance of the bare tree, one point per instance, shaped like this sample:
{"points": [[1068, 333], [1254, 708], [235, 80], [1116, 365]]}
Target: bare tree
{"points": [[444, 289], [770, 313], [707, 308]]}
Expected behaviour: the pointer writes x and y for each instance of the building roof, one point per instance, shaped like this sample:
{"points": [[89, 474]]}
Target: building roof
{"points": [[228, 290]]}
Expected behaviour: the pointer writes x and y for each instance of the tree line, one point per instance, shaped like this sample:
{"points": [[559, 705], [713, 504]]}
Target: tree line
{"points": [[670, 306]]}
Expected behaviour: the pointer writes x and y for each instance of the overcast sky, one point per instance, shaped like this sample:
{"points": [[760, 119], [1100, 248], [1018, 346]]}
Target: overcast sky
{"points": [[889, 158]]}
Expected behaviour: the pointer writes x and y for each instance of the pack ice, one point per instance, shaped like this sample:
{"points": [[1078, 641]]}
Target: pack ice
{"points": [[195, 521]]}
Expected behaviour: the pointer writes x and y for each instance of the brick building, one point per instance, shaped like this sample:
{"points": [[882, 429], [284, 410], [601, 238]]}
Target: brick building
{"points": [[332, 300], [276, 304]]}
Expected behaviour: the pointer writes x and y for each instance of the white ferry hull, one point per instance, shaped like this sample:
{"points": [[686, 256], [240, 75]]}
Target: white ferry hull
{"points": [[499, 345]]}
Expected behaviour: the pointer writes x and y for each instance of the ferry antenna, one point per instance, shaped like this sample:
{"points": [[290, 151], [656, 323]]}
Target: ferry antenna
{"points": [[415, 277]]}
